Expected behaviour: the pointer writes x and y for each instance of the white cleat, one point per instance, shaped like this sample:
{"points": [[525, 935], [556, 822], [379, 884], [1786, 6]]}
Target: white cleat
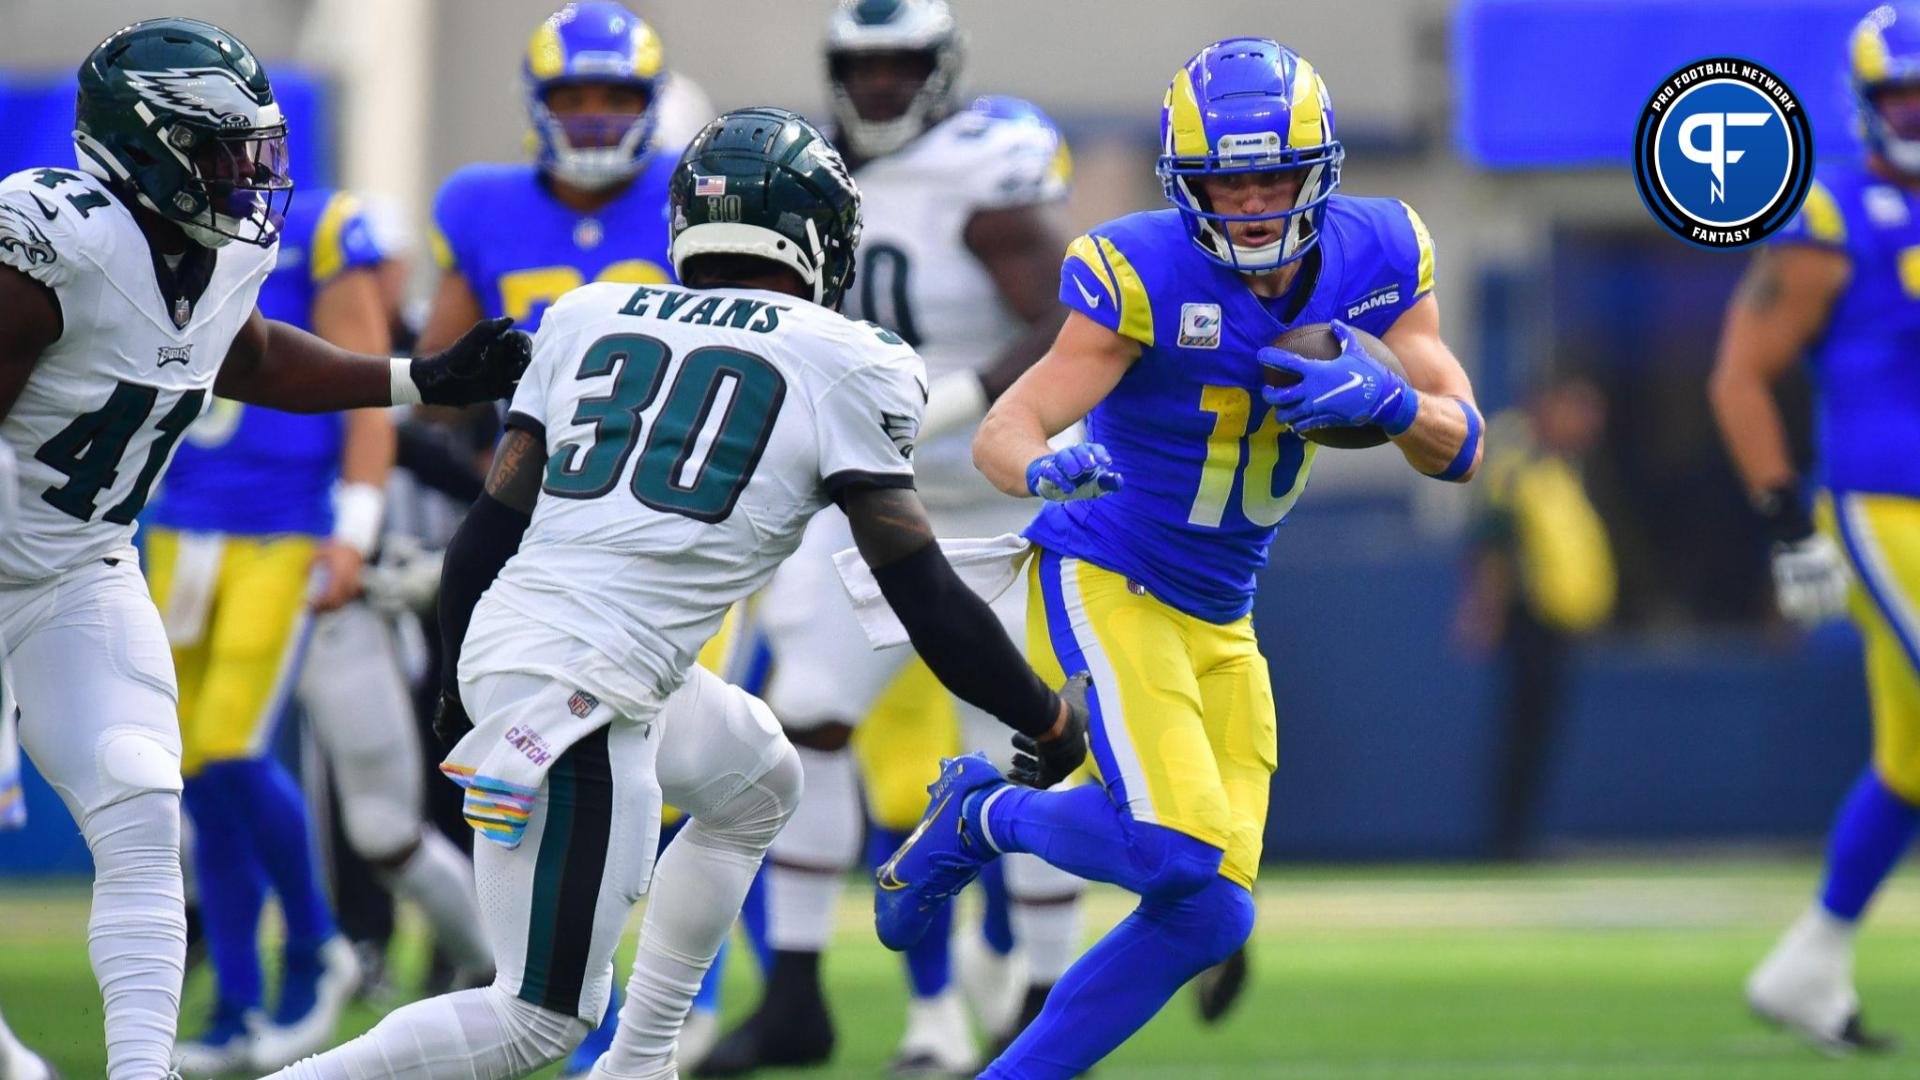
{"points": [[225, 1050], [1805, 985], [698, 1034], [995, 985], [276, 1046], [938, 1041]]}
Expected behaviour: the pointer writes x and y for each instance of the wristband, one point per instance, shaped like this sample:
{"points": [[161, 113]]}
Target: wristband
{"points": [[1787, 519], [401, 388], [357, 510], [954, 400], [1405, 411], [1463, 461]]}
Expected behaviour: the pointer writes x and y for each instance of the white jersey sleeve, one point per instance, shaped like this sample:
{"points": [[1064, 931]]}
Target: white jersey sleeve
{"points": [[1018, 156], [35, 238], [866, 420], [528, 409]]}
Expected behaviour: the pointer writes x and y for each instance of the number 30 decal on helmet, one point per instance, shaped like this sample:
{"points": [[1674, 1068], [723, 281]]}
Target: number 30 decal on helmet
{"points": [[764, 182]]}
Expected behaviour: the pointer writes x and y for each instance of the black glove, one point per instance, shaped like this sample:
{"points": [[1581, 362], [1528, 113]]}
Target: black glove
{"points": [[484, 365], [1039, 764], [450, 720]]}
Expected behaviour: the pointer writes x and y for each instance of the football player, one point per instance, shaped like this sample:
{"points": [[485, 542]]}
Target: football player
{"points": [[127, 297], [592, 206], [958, 257], [1835, 287], [246, 536], [664, 453], [1152, 533]]}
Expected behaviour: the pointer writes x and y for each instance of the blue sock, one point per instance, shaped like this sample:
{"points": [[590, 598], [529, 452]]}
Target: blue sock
{"points": [[753, 919], [1126, 977], [277, 817], [1081, 831], [996, 922], [233, 890], [930, 960], [1872, 830]]}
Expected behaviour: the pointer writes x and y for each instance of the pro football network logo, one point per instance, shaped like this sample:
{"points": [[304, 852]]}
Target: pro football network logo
{"points": [[1723, 154]]}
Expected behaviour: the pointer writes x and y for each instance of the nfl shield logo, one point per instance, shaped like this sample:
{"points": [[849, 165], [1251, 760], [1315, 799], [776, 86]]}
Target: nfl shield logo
{"points": [[182, 312], [582, 703], [1199, 326], [709, 185]]}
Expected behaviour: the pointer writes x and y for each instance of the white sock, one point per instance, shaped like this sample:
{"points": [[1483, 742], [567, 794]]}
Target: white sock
{"points": [[1046, 916], [439, 878], [813, 853], [137, 935], [698, 887], [480, 1034]]}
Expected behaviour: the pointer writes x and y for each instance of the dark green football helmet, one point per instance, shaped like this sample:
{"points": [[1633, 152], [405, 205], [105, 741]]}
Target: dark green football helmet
{"points": [[178, 114], [766, 183]]}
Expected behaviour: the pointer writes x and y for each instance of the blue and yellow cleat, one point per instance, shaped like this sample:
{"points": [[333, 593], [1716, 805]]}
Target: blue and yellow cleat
{"points": [[938, 859]]}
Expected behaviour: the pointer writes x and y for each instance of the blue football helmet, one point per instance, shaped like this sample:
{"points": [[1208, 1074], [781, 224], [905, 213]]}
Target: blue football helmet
{"points": [[602, 42], [1886, 52], [1249, 105]]}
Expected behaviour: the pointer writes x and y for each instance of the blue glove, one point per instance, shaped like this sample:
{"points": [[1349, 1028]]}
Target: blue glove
{"points": [[1081, 471], [1350, 390]]}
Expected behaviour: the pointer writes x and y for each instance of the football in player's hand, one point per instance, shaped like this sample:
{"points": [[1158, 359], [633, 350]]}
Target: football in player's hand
{"points": [[1316, 342]]}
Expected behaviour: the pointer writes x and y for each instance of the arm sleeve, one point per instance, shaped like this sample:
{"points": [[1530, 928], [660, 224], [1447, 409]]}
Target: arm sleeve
{"points": [[1098, 281], [867, 421], [963, 643], [487, 537], [1819, 222]]}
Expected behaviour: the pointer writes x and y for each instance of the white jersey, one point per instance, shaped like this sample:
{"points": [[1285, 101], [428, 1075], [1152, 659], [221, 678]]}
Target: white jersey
{"points": [[690, 436], [918, 278], [99, 417]]}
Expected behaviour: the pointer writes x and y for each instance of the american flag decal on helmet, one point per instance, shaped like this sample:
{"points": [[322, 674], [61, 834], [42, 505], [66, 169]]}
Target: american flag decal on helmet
{"points": [[709, 185]]}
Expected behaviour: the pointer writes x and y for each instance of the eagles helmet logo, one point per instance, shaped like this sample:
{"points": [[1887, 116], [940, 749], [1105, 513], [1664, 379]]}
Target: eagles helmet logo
{"points": [[212, 94]]}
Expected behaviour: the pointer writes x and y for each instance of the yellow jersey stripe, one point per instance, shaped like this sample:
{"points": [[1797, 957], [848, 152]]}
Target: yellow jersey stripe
{"points": [[326, 258], [442, 251], [1824, 222], [1136, 308], [1425, 239], [1084, 249]]}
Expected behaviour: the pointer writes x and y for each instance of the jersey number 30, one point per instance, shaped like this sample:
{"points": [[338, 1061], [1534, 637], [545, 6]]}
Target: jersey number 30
{"points": [[705, 440]]}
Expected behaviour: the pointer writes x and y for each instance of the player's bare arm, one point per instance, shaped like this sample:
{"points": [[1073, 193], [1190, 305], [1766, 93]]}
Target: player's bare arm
{"points": [[1086, 362], [350, 312], [284, 367], [1782, 304], [1440, 428], [30, 322], [950, 626], [1020, 248], [455, 308]]}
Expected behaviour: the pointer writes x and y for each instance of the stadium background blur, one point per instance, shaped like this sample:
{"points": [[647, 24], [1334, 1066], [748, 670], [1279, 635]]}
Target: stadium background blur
{"points": [[1695, 723]]}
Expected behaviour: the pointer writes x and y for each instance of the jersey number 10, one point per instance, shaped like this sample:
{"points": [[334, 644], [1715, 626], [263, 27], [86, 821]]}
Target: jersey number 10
{"points": [[706, 439]]}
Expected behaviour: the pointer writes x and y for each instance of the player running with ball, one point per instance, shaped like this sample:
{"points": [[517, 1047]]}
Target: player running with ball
{"points": [[1155, 528]]}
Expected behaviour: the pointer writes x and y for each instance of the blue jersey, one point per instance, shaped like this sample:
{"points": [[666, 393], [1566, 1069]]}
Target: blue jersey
{"points": [[250, 470], [1209, 472], [1866, 365], [520, 249]]}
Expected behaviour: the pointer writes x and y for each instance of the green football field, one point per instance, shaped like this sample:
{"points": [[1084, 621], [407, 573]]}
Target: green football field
{"points": [[1615, 970]]}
